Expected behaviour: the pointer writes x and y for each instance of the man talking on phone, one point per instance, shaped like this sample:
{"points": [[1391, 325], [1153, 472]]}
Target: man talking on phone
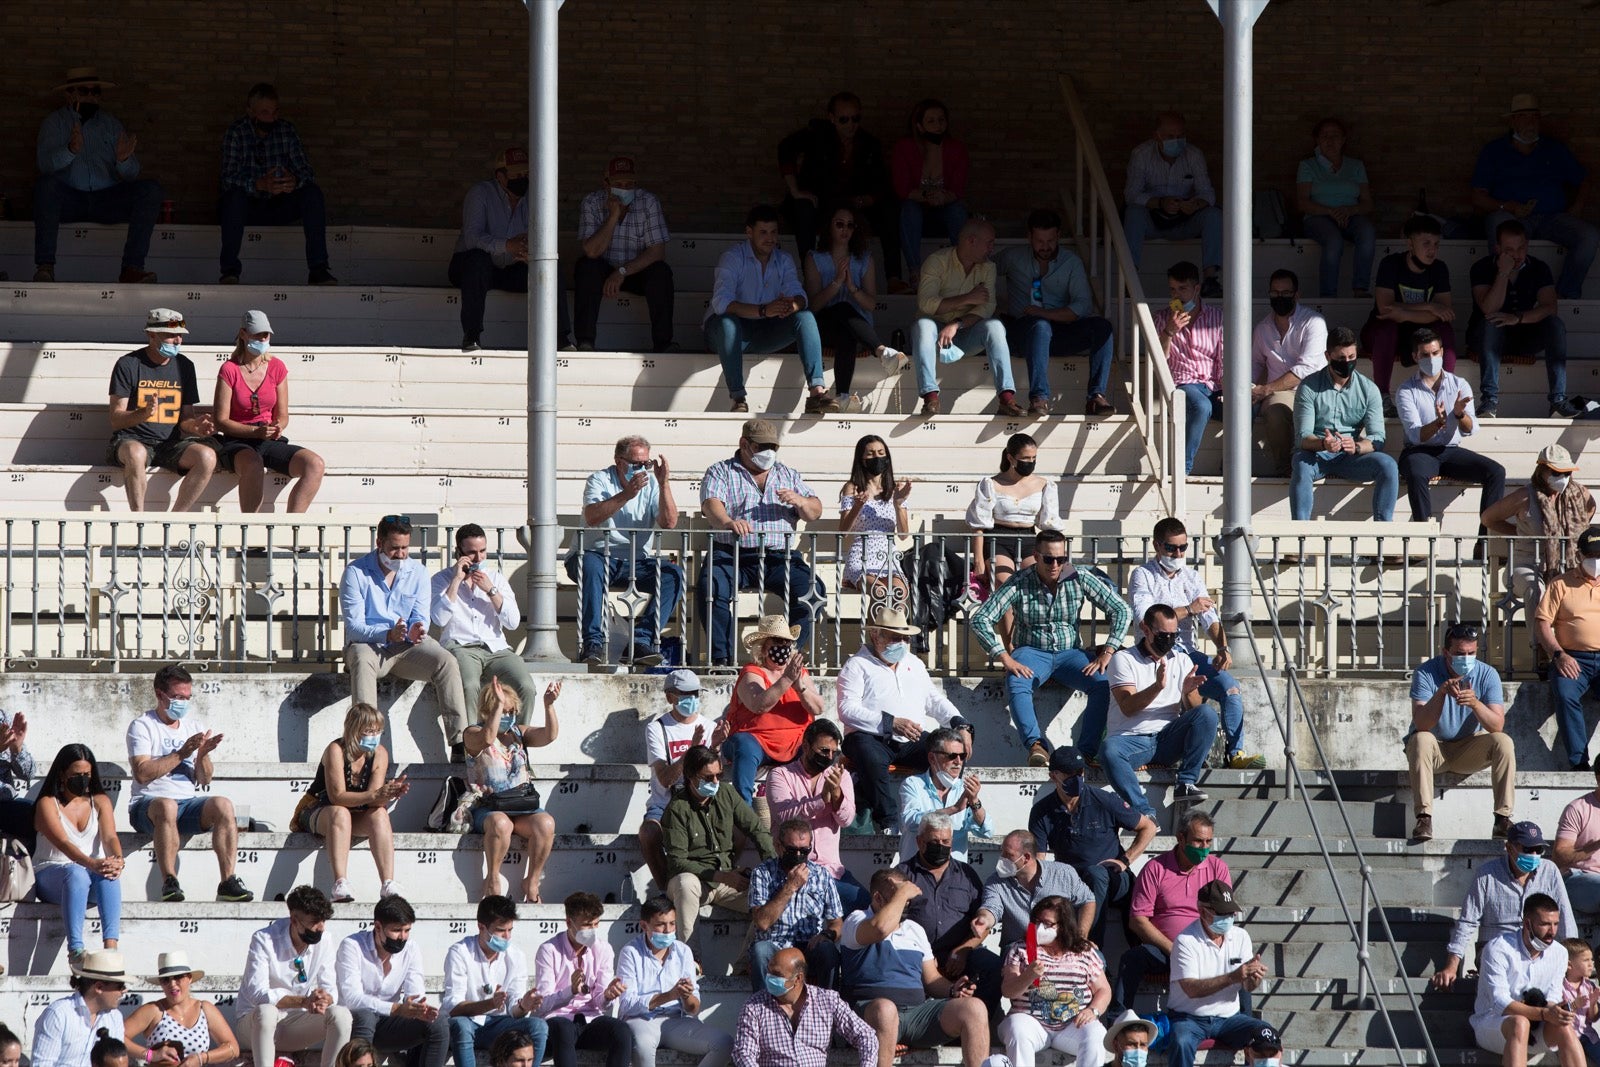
{"points": [[473, 607]]}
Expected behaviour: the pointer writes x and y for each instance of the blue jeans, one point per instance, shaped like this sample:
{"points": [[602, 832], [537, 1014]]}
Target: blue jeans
{"points": [[237, 209], [1206, 224], [1569, 693], [71, 886], [1228, 1031], [987, 336], [1223, 688], [730, 337], [1186, 741], [1039, 339], [853, 896], [602, 572], [1201, 405], [467, 1037], [787, 572], [1548, 335], [745, 756], [1066, 668], [1583, 892], [913, 218], [1331, 237], [137, 203], [1377, 467], [1579, 238]]}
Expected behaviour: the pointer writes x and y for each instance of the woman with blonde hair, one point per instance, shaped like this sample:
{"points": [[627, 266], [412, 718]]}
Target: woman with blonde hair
{"points": [[349, 798], [498, 774]]}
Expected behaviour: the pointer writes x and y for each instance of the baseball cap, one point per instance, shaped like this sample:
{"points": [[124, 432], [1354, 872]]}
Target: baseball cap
{"points": [[1525, 834], [1218, 896], [1589, 542], [622, 167], [760, 432], [1066, 760], [1557, 458], [255, 322], [683, 680], [164, 320], [514, 161], [1266, 1040]]}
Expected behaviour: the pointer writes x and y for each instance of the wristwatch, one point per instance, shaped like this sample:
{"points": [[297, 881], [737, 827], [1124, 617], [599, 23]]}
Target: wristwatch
{"points": [[623, 270]]}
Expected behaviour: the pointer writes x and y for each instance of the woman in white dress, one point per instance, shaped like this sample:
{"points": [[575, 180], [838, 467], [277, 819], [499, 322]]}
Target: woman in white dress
{"points": [[872, 508], [1007, 509]]}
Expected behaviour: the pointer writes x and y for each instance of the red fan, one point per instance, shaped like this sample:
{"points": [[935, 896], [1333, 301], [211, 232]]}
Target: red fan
{"points": [[1033, 946]]}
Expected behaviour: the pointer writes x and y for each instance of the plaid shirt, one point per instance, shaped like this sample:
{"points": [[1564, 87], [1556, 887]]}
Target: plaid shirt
{"points": [[1050, 621], [812, 905], [772, 520], [641, 226], [247, 156], [765, 1036], [1195, 352]]}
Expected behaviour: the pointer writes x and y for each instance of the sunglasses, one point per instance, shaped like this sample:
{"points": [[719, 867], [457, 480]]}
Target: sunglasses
{"points": [[842, 225], [1462, 631], [951, 755], [299, 968], [1533, 850], [1052, 561], [405, 519], [159, 326], [1174, 549]]}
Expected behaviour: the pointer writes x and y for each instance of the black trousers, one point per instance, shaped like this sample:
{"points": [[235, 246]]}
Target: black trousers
{"points": [[654, 283], [803, 218], [474, 273], [870, 756], [600, 1034], [1418, 463], [845, 330]]}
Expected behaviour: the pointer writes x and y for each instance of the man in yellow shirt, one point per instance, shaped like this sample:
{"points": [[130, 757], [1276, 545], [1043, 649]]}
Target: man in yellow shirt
{"points": [[1568, 628], [956, 301]]}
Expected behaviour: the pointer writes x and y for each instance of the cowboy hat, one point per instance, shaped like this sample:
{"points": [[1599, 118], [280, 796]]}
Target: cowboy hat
{"points": [[770, 627], [174, 964], [1125, 1020], [77, 77], [884, 617], [103, 965]]}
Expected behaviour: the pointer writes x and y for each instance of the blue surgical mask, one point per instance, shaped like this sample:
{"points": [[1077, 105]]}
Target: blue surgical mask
{"points": [[256, 348], [369, 742], [636, 469], [508, 723], [896, 652], [1463, 664], [1173, 147], [1135, 1057], [624, 195], [179, 708], [777, 986], [1221, 924], [1527, 862], [661, 941], [687, 707], [498, 943], [707, 788], [169, 349], [1189, 306]]}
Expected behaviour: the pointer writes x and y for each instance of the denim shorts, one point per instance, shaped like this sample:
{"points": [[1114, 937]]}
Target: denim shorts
{"points": [[480, 815], [189, 811]]}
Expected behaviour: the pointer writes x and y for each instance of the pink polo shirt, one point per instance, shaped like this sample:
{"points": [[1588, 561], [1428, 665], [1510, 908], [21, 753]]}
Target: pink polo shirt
{"points": [[1580, 824], [794, 794], [1195, 354], [1167, 896]]}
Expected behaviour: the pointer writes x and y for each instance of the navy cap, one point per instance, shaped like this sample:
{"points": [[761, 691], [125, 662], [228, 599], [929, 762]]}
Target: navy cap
{"points": [[1066, 760], [1525, 834]]}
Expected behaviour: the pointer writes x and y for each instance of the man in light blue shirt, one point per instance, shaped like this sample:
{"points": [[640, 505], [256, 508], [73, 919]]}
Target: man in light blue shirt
{"points": [[622, 507], [1435, 408], [384, 598], [661, 992], [1169, 195], [1338, 426], [1050, 312], [492, 251], [759, 305], [944, 790], [88, 173], [1458, 723]]}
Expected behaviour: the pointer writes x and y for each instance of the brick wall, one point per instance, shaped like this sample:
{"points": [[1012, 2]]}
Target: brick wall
{"points": [[401, 104]]}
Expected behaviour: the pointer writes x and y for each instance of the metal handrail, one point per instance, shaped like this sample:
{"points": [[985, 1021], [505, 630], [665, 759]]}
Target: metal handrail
{"points": [[1371, 901], [1158, 407]]}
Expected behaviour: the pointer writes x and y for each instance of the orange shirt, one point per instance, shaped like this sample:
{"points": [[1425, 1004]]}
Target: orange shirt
{"points": [[1572, 606], [778, 729]]}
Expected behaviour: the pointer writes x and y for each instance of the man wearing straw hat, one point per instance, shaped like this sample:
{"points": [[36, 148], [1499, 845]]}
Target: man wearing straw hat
{"points": [[88, 173], [1537, 180], [154, 421], [66, 1030], [1129, 1040]]}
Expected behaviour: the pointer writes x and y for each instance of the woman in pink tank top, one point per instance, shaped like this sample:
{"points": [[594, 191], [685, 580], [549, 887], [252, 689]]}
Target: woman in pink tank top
{"points": [[252, 412]]}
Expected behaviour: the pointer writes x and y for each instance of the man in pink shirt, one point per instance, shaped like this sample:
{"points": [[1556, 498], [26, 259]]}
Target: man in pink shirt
{"points": [[1166, 901], [1191, 337], [1577, 851], [817, 788], [575, 973]]}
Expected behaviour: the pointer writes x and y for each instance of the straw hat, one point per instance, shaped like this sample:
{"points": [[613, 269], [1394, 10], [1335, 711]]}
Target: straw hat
{"points": [[883, 617], [103, 965], [770, 627], [174, 964], [79, 77], [1125, 1020]]}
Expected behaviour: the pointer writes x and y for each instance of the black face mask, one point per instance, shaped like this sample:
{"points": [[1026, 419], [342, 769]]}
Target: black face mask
{"points": [[1071, 787], [935, 855], [1161, 643], [792, 858], [1026, 467], [875, 465], [517, 186], [79, 784], [393, 945], [932, 138], [779, 653], [311, 937], [816, 763], [1341, 368], [1282, 305], [87, 112]]}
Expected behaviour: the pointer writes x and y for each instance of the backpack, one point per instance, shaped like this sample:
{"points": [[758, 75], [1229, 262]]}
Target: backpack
{"points": [[449, 796]]}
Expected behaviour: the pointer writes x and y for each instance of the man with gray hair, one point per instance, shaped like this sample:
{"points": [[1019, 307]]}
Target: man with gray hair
{"points": [[623, 505], [956, 305], [950, 897]]}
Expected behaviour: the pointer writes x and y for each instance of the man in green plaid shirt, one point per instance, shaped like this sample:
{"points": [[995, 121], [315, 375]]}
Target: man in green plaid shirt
{"points": [[1046, 601]]}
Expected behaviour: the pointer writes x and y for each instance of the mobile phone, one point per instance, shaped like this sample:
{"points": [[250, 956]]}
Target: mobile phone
{"points": [[1175, 306]]}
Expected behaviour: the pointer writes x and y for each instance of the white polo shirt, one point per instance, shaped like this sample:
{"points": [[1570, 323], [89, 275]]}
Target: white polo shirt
{"points": [[1195, 955]]}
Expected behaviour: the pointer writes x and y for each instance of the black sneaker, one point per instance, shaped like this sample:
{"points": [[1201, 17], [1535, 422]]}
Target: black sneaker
{"points": [[591, 654], [1211, 288], [1188, 794], [321, 276], [1562, 409], [232, 891], [1489, 410], [469, 342], [171, 891], [645, 655]]}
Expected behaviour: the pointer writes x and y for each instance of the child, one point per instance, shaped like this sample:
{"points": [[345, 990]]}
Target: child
{"points": [[10, 1048], [1582, 996], [108, 1051]]}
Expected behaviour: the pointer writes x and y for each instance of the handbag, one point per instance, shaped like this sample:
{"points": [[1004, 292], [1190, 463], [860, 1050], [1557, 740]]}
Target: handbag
{"points": [[518, 800], [16, 871], [444, 807], [297, 821]]}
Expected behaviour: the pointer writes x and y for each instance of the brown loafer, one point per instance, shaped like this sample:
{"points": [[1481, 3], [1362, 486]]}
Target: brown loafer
{"points": [[1008, 408], [1098, 406], [930, 404], [136, 276], [1423, 831], [1038, 406]]}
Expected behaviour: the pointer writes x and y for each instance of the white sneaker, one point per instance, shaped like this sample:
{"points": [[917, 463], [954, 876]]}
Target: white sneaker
{"points": [[390, 888], [894, 360], [341, 892]]}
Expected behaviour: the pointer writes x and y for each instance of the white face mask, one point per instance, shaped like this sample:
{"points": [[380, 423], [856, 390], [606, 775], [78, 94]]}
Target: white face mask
{"points": [[586, 936], [1044, 935], [1430, 366], [1171, 564], [386, 563], [1558, 482], [1591, 567], [1004, 868], [944, 781], [763, 460]]}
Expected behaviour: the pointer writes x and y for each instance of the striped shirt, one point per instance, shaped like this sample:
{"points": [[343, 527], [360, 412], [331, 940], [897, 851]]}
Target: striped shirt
{"points": [[1195, 352], [772, 521], [1047, 620], [1066, 988], [641, 226]]}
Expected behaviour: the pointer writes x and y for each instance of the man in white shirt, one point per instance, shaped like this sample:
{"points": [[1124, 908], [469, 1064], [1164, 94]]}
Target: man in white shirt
{"points": [[169, 754], [486, 991], [67, 1029], [1211, 961], [665, 742], [473, 607], [287, 1000], [1167, 578], [1288, 345], [1514, 964], [380, 981], [1436, 412], [889, 707], [1169, 195], [1157, 714], [661, 992]]}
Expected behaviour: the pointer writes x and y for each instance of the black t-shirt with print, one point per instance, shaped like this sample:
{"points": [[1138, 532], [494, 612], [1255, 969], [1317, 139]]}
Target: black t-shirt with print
{"points": [[137, 377]]}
